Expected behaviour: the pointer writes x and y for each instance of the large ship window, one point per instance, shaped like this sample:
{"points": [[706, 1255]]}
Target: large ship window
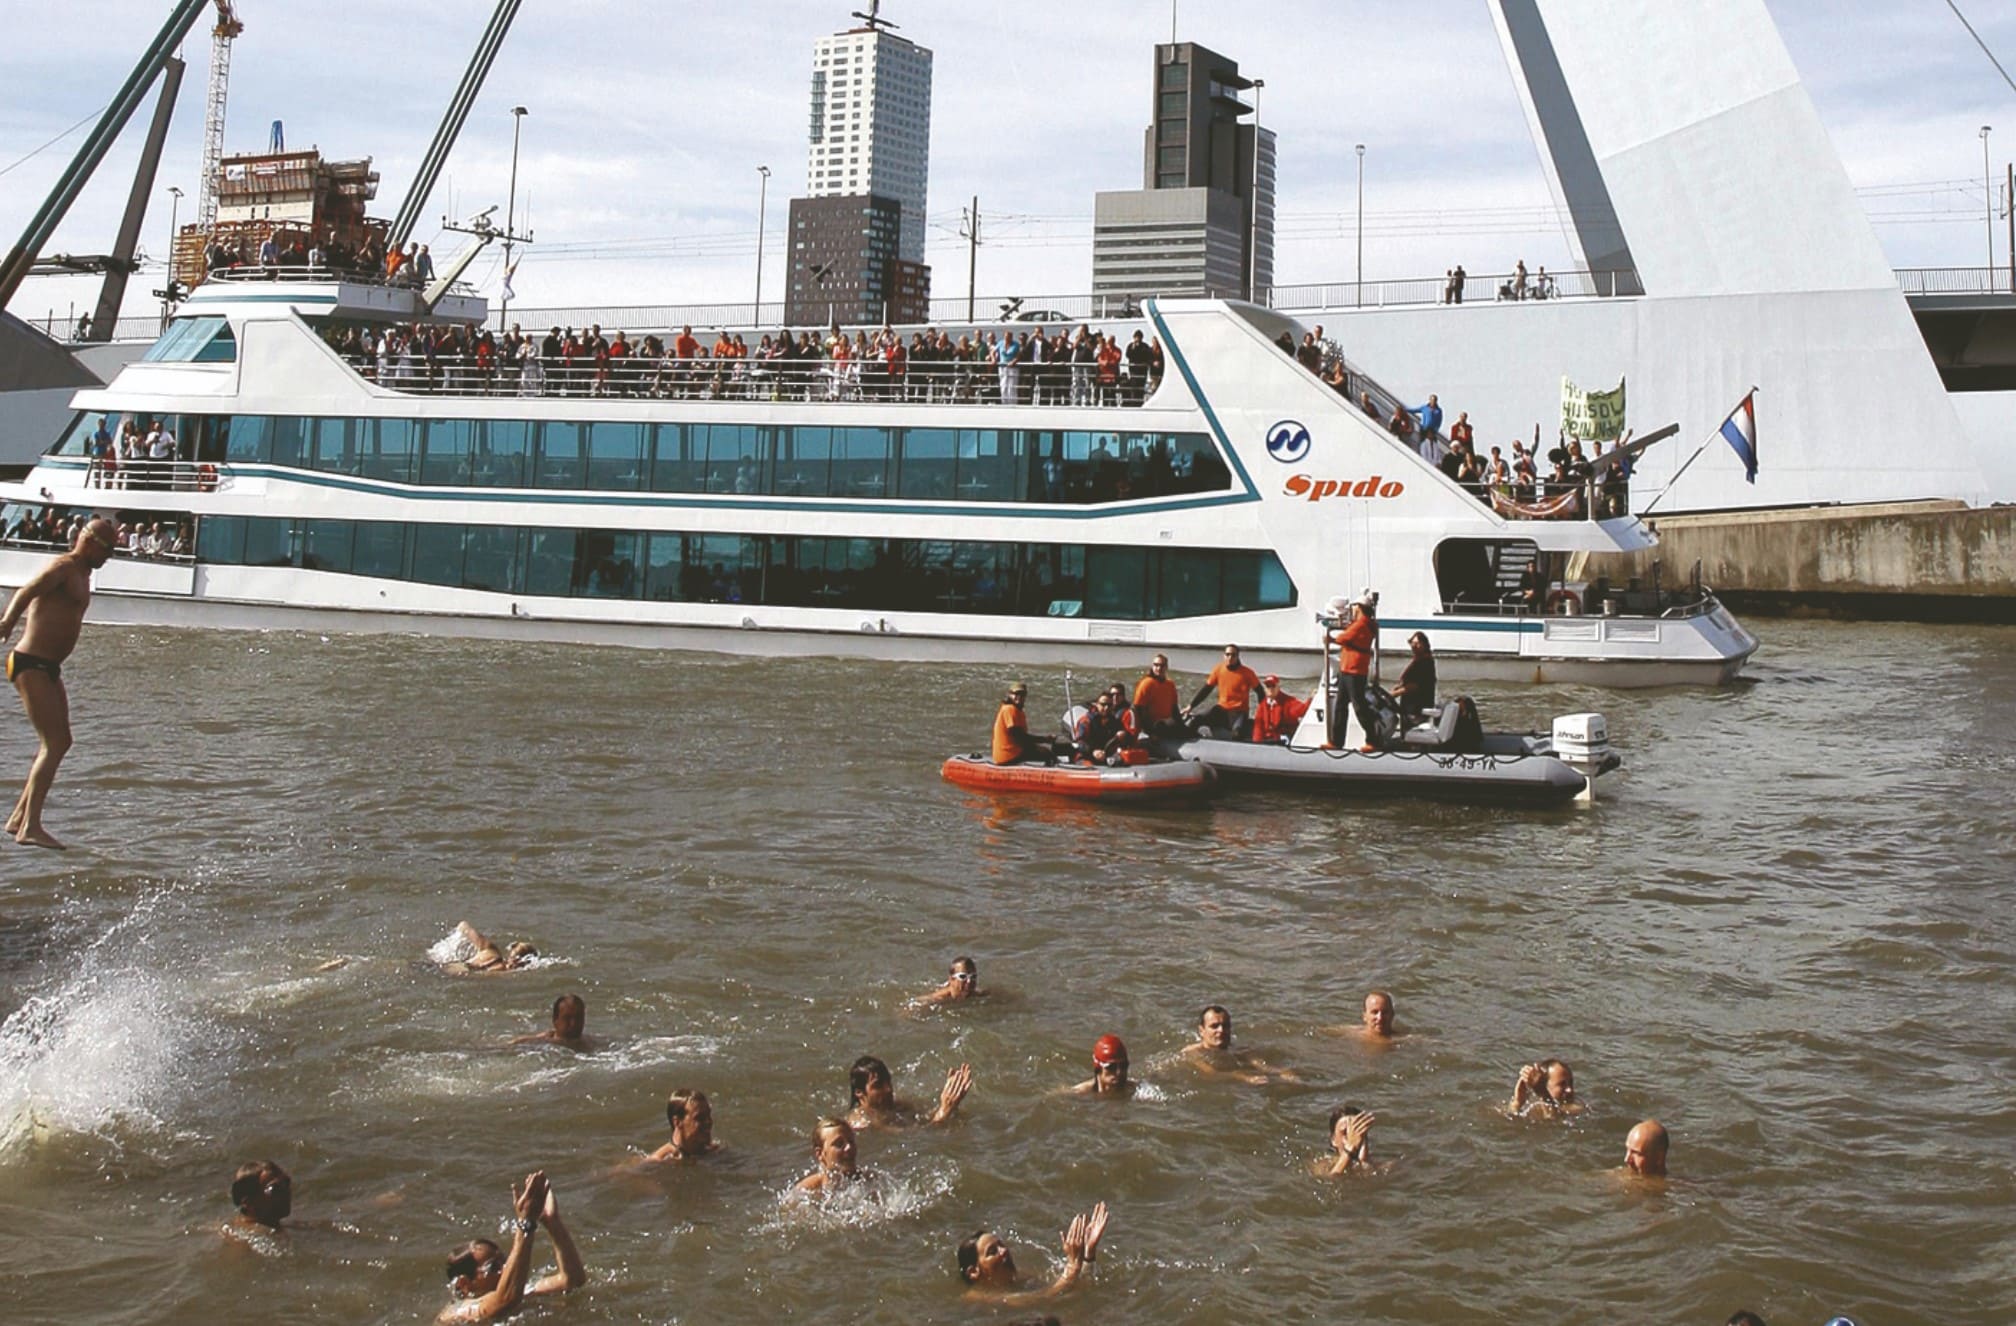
{"points": [[194, 341], [871, 575], [1050, 466]]}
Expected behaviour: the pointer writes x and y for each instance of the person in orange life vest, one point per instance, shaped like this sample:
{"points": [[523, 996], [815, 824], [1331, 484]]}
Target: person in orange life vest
{"points": [[1278, 712], [1235, 684], [1012, 742], [1354, 642], [1156, 699]]}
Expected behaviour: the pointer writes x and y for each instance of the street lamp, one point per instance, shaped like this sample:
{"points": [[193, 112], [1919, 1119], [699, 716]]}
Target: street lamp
{"points": [[762, 212], [1253, 208], [518, 114], [168, 283], [1360, 297], [1988, 201]]}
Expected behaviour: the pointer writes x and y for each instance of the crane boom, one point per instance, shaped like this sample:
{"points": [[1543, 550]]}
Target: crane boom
{"points": [[221, 36]]}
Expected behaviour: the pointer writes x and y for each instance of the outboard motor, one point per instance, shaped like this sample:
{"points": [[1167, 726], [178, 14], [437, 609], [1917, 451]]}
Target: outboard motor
{"points": [[1582, 739]]}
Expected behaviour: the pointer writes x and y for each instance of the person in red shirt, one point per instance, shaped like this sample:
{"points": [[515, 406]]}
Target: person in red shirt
{"points": [[1109, 371], [1235, 684], [1275, 718], [1355, 642]]}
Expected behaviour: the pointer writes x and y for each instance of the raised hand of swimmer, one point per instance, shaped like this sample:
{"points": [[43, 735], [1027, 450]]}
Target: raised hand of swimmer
{"points": [[1074, 1240], [1095, 1229], [550, 1210], [957, 1083], [528, 1201], [1355, 1131]]}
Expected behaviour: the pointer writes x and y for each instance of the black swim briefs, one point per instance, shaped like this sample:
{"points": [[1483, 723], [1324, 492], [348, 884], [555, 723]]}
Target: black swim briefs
{"points": [[18, 663]]}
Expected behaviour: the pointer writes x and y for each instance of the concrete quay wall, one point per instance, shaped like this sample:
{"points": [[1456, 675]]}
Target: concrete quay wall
{"points": [[1907, 561]]}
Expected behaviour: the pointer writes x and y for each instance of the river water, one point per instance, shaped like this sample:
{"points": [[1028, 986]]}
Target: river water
{"points": [[1788, 931]]}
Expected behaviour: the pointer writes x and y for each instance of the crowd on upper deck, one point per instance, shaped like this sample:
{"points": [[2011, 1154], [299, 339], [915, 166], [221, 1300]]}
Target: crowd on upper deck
{"points": [[286, 251], [1558, 485], [1011, 366]]}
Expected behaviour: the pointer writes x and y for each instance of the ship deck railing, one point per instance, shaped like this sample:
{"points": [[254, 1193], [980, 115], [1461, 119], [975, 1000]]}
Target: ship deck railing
{"points": [[304, 273], [131, 554], [176, 475], [801, 380], [1603, 599]]}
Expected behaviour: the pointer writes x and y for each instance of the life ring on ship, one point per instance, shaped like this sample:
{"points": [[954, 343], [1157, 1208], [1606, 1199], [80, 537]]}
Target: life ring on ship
{"points": [[1564, 598], [206, 478]]}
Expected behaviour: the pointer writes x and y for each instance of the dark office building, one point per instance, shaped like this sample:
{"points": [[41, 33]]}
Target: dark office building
{"points": [[844, 264], [1203, 220]]}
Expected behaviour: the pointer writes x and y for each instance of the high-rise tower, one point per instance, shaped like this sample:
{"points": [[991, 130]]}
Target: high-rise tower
{"points": [[857, 237], [1203, 220], [871, 121]]}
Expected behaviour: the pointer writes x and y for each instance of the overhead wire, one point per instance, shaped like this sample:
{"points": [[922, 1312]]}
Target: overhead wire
{"points": [[52, 142], [1954, 6]]}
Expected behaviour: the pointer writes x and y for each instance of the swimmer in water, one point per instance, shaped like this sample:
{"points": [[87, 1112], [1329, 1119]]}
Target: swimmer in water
{"points": [[264, 1196], [1212, 1053], [1377, 1023], [485, 957], [489, 1285], [1645, 1149], [873, 1103], [692, 1118], [570, 1016], [1350, 1142], [963, 983], [1548, 1088], [833, 1159], [1109, 1071], [987, 1263]]}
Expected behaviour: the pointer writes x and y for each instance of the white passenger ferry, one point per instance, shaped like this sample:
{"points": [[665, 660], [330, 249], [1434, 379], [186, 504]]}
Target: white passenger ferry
{"points": [[777, 517]]}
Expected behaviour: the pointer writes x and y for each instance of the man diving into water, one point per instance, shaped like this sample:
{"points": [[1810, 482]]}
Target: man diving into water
{"points": [[52, 604]]}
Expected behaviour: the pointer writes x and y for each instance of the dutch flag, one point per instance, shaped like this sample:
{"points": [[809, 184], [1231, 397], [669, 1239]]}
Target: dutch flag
{"points": [[1740, 431]]}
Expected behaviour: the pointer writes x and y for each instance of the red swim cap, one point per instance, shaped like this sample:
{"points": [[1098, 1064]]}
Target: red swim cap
{"points": [[1109, 1049]]}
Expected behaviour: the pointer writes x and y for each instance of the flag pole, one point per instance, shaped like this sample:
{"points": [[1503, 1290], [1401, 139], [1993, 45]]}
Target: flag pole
{"points": [[1682, 470], [1697, 454]]}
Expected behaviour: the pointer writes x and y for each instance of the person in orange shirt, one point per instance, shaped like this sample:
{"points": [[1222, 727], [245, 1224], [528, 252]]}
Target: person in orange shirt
{"points": [[1278, 712], [1355, 641], [1155, 698], [1235, 683], [1012, 742]]}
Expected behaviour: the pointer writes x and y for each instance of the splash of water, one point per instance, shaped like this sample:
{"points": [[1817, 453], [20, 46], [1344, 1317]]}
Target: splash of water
{"points": [[107, 1048], [879, 1198], [454, 947]]}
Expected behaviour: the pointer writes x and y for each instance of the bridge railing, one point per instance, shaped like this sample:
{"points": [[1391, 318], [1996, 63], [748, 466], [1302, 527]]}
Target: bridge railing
{"points": [[1957, 280]]}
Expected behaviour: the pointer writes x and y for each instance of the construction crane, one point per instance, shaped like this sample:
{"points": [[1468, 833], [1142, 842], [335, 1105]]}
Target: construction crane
{"points": [[221, 36]]}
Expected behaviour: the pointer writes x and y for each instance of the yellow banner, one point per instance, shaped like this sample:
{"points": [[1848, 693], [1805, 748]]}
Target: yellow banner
{"points": [[1592, 415]]}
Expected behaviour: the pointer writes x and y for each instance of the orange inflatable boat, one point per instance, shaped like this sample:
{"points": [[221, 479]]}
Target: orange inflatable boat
{"points": [[1169, 780]]}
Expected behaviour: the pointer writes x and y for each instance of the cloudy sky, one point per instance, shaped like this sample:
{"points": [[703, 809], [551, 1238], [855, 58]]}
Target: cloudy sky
{"points": [[648, 119]]}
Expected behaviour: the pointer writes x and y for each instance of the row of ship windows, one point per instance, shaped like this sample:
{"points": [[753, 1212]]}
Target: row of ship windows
{"points": [[870, 575], [932, 464]]}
